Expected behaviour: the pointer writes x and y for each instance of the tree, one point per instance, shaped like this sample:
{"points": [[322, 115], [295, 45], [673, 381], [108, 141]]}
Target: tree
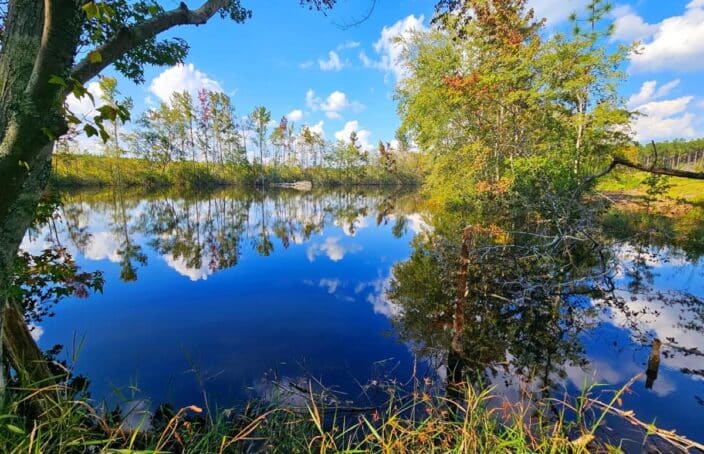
{"points": [[261, 117], [350, 154], [155, 138], [109, 94], [387, 158], [290, 142], [184, 114], [523, 108], [204, 122], [221, 115], [310, 140], [278, 139], [39, 68]]}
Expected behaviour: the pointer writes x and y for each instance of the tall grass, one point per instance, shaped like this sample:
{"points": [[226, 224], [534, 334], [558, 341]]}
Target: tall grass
{"points": [[89, 170], [632, 182], [420, 420]]}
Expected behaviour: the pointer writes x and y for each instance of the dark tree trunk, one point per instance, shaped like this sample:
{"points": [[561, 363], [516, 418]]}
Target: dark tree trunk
{"points": [[40, 41]]}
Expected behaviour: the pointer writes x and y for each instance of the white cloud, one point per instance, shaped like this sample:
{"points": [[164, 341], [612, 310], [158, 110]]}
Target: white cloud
{"points": [[665, 120], [362, 134], [389, 48], [318, 128], [649, 92], [182, 78], [330, 284], [333, 63], [84, 107], [331, 248], [333, 105], [556, 11], [661, 119], [295, 115], [664, 312], [350, 228], [676, 43], [35, 331], [336, 102], [103, 246], [311, 100], [366, 61], [378, 298], [348, 45], [307, 64], [629, 26], [181, 266]]}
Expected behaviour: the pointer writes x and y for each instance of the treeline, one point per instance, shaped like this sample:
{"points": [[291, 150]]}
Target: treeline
{"points": [[71, 170], [205, 130], [676, 153]]}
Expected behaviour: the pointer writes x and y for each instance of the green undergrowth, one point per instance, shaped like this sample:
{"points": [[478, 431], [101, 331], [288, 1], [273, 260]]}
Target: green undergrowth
{"points": [[102, 171], [634, 183]]}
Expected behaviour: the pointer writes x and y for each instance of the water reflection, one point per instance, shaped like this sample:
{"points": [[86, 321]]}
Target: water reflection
{"points": [[532, 305], [200, 236], [213, 290], [222, 291]]}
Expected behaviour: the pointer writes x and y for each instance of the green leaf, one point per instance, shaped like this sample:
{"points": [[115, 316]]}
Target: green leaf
{"points": [[107, 112], [57, 80], [49, 133], [91, 10], [72, 118], [124, 113], [90, 130], [95, 57], [104, 135], [108, 12], [15, 429]]}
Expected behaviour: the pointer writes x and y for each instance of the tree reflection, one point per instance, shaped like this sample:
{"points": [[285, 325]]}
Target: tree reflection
{"points": [[205, 233], [129, 252], [515, 302], [42, 279]]}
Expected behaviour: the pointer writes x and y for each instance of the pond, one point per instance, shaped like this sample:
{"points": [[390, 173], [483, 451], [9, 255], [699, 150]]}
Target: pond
{"points": [[224, 294]]}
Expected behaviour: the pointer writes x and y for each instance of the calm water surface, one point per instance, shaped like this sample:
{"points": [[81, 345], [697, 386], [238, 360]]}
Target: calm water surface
{"points": [[227, 292]]}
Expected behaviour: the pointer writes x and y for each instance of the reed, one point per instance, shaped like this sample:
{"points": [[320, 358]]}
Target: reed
{"points": [[418, 420]]}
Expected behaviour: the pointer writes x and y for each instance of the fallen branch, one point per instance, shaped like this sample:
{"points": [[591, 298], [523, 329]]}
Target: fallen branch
{"points": [[656, 170], [670, 436]]}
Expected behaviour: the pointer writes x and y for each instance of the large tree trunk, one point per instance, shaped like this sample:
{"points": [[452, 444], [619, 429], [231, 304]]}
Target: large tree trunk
{"points": [[40, 41]]}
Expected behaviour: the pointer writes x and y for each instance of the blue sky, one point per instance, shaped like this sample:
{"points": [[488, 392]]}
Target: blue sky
{"points": [[294, 60]]}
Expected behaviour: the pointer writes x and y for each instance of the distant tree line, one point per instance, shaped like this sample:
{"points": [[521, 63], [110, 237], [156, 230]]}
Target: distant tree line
{"points": [[675, 153], [206, 128]]}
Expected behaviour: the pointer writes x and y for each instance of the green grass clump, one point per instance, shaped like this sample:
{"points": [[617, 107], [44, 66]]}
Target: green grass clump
{"points": [[420, 420]]}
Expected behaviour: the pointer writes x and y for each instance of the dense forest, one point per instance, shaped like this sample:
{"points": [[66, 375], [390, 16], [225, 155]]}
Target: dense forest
{"points": [[676, 153]]}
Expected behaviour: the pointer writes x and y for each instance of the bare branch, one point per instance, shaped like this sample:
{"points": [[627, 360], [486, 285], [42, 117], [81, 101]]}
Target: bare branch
{"points": [[618, 161], [360, 20], [658, 170]]}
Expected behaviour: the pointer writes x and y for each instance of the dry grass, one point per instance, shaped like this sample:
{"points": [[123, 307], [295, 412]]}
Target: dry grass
{"points": [[423, 420]]}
